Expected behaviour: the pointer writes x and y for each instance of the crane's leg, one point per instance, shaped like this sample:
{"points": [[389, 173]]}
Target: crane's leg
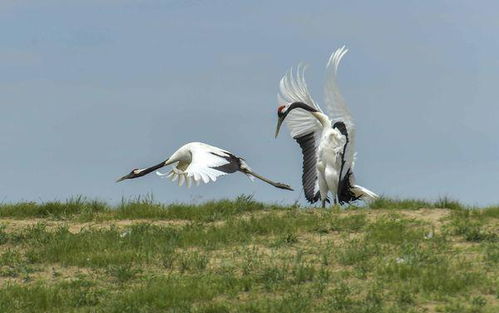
{"points": [[331, 176], [323, 189], [268, 181]]}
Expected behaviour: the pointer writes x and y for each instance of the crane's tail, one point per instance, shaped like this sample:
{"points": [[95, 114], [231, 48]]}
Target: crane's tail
{"points": [[364, 193]]}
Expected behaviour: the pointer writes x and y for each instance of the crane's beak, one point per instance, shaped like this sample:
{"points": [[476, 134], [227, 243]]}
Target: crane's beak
{"points": [[128, 176], [279, 123]]}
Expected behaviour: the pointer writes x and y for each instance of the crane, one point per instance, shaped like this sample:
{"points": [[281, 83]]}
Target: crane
{"points": [[327, 142], [199, 162]]}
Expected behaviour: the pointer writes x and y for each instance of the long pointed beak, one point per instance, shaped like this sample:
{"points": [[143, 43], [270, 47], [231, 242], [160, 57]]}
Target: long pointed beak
{"points": [[279, 123], [123, 178]]}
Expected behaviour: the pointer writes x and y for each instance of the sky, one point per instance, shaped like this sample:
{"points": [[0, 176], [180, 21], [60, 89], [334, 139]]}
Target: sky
{"points": [[92, 89]]}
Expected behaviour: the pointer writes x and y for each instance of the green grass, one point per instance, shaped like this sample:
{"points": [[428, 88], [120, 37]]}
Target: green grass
{"points": [[245, 256], [82, 209], [56, 210]]}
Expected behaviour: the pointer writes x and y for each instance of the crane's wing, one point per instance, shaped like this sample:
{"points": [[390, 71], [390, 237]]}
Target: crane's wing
{"points": [[207, 164], [308, 144], [304, 127], [293, 88], [337, 108]]}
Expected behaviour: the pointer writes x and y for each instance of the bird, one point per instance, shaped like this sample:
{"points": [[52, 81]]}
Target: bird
{"points": [[199, 162], [327, 142]]}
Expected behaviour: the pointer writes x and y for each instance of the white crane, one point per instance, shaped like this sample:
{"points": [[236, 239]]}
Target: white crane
{"points": [[199, 162], [327, 142]]}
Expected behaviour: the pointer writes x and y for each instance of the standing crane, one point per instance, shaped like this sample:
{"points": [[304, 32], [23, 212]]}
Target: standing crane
{"points": [[327, 142], [199, 162]]}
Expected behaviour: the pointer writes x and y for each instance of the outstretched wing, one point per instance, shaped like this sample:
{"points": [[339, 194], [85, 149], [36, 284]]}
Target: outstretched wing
{"points": [[336, 106], [207, 164], [304, 127]]}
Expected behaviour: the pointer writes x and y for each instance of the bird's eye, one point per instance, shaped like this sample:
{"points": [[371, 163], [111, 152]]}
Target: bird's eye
{"points": [[280, 109]]}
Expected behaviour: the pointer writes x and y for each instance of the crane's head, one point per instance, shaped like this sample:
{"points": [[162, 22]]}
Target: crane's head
{"points": [[133, 174], [282, 111]]}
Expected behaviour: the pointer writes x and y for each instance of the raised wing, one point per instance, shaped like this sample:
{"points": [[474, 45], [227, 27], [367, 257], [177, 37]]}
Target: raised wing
{"points": [[338, 110], [304, 128], [336, 106], [207, 164]]}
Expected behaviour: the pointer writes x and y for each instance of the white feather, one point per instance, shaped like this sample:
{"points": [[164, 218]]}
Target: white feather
{"points": [[336, 105], [197, 162], [181, 179], [364, 193], [205, 178], [163, 174]]}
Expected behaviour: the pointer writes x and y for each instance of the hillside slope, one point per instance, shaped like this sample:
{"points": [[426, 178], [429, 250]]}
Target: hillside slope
{"points": [[245, 256]]}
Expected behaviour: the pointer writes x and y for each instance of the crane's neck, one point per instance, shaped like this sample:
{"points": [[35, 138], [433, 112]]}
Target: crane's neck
{"points": [[152, 168], [321, 117]]}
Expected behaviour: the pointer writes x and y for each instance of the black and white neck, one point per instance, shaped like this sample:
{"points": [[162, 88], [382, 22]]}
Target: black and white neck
{"points": [[151, 169], [321, 117]]}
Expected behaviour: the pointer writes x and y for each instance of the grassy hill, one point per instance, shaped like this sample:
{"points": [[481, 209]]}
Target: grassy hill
{"points": [[246, 256]]}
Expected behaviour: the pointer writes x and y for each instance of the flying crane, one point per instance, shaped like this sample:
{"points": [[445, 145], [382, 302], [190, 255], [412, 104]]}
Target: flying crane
{"points": [[199, 162]]}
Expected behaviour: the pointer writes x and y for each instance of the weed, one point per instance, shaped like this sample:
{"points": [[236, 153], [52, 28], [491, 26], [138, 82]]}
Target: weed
{"points": [[123, 273], [287, 239], [193, 261]]}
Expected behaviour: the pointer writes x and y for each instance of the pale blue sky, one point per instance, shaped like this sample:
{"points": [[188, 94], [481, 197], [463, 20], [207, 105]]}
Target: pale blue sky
{"points": [[91, 89]]}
